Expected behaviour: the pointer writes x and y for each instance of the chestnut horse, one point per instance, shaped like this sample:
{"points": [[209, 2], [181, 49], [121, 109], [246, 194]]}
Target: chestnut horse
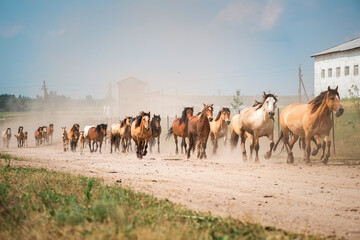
{"points": [[180, 128], [125, 133], [6, 136], [156, 131], [198, 131], [73, 136], [141, 132], [96, 135], [257, 121], [39, 136], [219, 127], [311, 120]]}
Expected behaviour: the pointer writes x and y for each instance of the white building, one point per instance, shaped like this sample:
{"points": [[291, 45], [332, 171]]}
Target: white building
{"points": [[337, 66]]}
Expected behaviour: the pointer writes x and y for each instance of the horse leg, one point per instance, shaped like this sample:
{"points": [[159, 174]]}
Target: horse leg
{"points": [[307, 148], [243, 139], [256, 146], [191, 143], [90, 145], [268, 154], [176, 144], [290, 158], [204, 149], [158, 142], [318, 145], [151, 143], [328, 144], [145, 147], [100, 146], [199, 153]]}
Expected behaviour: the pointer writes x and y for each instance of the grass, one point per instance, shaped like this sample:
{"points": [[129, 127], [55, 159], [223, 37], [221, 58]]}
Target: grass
{"points": [[37, 203]]}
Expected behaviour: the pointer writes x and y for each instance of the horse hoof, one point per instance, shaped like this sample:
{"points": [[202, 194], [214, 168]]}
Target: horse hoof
{"points": [[257, 160], [325, 161], [314, 153], [267, 156], [290, 159], [308, 163]]}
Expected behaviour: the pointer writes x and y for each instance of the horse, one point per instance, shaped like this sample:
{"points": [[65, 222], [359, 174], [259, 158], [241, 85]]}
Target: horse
{"points": [[141, 132], [38, 136], [73, 135], [310, 120], [45, 137], [156, 131], [26, 139], [50, 132], [180, 128], [81, 142], [6, 136], [65, 139], [219, 127], [20, 136], [125, 133], [114, 137], [257, 121], [198, 131], [96, 134]]}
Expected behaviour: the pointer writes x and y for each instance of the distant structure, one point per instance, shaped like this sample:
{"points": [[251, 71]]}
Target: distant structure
{"points": [[337, 66], [133, 96]]}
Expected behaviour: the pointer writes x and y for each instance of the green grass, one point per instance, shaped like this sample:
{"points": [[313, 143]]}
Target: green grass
{"points": [[37, 203]]}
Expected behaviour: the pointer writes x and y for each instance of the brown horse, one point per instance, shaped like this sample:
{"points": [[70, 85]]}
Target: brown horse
{"points": [[141, 132], [20, 137], [180, 128], [6, 136], [255, 122], [96, 135], [219, 127], [125, 133], [156, 132], [73, 136], [45, 137], [49, 132], [65, 139], [198, 131], [38, 136], [310, 120], [82, 142]]}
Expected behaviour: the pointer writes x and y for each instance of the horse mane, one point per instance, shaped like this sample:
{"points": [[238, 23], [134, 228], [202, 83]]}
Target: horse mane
{"points": [[139, 117], [316, 102], [265, 96], [75, 127], [123, 122], [183, 114]]}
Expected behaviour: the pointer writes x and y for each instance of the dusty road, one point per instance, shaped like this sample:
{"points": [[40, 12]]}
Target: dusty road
{"points": [[306, 199]]}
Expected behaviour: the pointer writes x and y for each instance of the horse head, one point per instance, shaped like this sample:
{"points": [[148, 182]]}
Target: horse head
{"points": [[63, 130], [208, 110], [145, 120], [269, 102], [225, 114], [156, 121], [8, 131], [333, 102], [20, 129]]}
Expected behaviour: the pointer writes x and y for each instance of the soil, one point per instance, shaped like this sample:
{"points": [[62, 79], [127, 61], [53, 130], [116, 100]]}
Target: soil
{"points": [[318, 199]]}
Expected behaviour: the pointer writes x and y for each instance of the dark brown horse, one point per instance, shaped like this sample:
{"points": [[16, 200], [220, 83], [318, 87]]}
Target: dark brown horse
{"points": [[73, 136], [198, 131], [96, 135], [156, 131], [180, 128]]}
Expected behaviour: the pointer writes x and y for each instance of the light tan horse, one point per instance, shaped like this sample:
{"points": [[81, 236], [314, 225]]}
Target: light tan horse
{"points": [[310, 120], [141, 132], [255, 122], [114, 137], [125, 133], [6, 136], [219, 127], [65, 139]]}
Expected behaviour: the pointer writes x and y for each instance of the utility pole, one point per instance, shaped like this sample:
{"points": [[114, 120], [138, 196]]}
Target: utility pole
{"points": [[301, 84]]}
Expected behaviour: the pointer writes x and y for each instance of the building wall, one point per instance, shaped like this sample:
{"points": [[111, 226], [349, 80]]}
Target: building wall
{"points": [[348, 58]]}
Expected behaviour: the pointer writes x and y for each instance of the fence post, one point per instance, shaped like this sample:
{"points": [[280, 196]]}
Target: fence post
{"points": [[333, 128]]}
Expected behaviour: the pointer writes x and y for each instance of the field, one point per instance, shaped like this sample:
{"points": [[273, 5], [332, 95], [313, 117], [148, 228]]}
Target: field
{"points": [[229, 198]]}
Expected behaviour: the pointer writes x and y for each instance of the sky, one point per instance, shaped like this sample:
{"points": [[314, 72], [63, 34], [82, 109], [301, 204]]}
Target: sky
{"points": [[195, 47]]}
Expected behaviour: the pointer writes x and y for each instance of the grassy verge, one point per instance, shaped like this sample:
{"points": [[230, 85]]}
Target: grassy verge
{"points": [[37, 203]]}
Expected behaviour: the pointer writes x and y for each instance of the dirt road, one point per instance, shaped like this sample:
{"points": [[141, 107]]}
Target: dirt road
{"points": [[306, 199]]}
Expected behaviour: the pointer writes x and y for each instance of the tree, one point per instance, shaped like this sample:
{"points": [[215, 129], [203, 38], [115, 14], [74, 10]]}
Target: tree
{"points": [[354, 96], [236, 101]]}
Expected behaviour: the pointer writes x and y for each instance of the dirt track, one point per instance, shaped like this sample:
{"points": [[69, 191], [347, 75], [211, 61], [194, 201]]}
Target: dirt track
{"points": [[306, 199]]}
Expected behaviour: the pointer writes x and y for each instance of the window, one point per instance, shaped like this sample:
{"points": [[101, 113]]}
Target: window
{"points": [[329, 72], [338, 72], [322, 73], [346, 70], [356, 70]]}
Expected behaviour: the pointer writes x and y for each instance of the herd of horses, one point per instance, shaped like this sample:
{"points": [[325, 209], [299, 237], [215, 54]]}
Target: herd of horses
{"points": [[307, 122]]}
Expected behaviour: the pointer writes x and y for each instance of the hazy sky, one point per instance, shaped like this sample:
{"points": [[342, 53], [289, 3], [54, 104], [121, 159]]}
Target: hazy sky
{"points": [[197, 47]]}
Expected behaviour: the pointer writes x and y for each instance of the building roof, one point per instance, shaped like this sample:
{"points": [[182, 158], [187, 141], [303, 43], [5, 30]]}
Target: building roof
{"points": [[131, 80], [352, 44]]}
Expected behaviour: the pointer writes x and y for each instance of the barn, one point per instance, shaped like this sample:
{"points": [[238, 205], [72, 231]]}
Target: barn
{"points": [[337, 66]]}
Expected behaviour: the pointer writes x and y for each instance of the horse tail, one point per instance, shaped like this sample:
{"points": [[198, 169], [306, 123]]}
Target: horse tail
{"points": [[170, 132], [277, 142]]}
